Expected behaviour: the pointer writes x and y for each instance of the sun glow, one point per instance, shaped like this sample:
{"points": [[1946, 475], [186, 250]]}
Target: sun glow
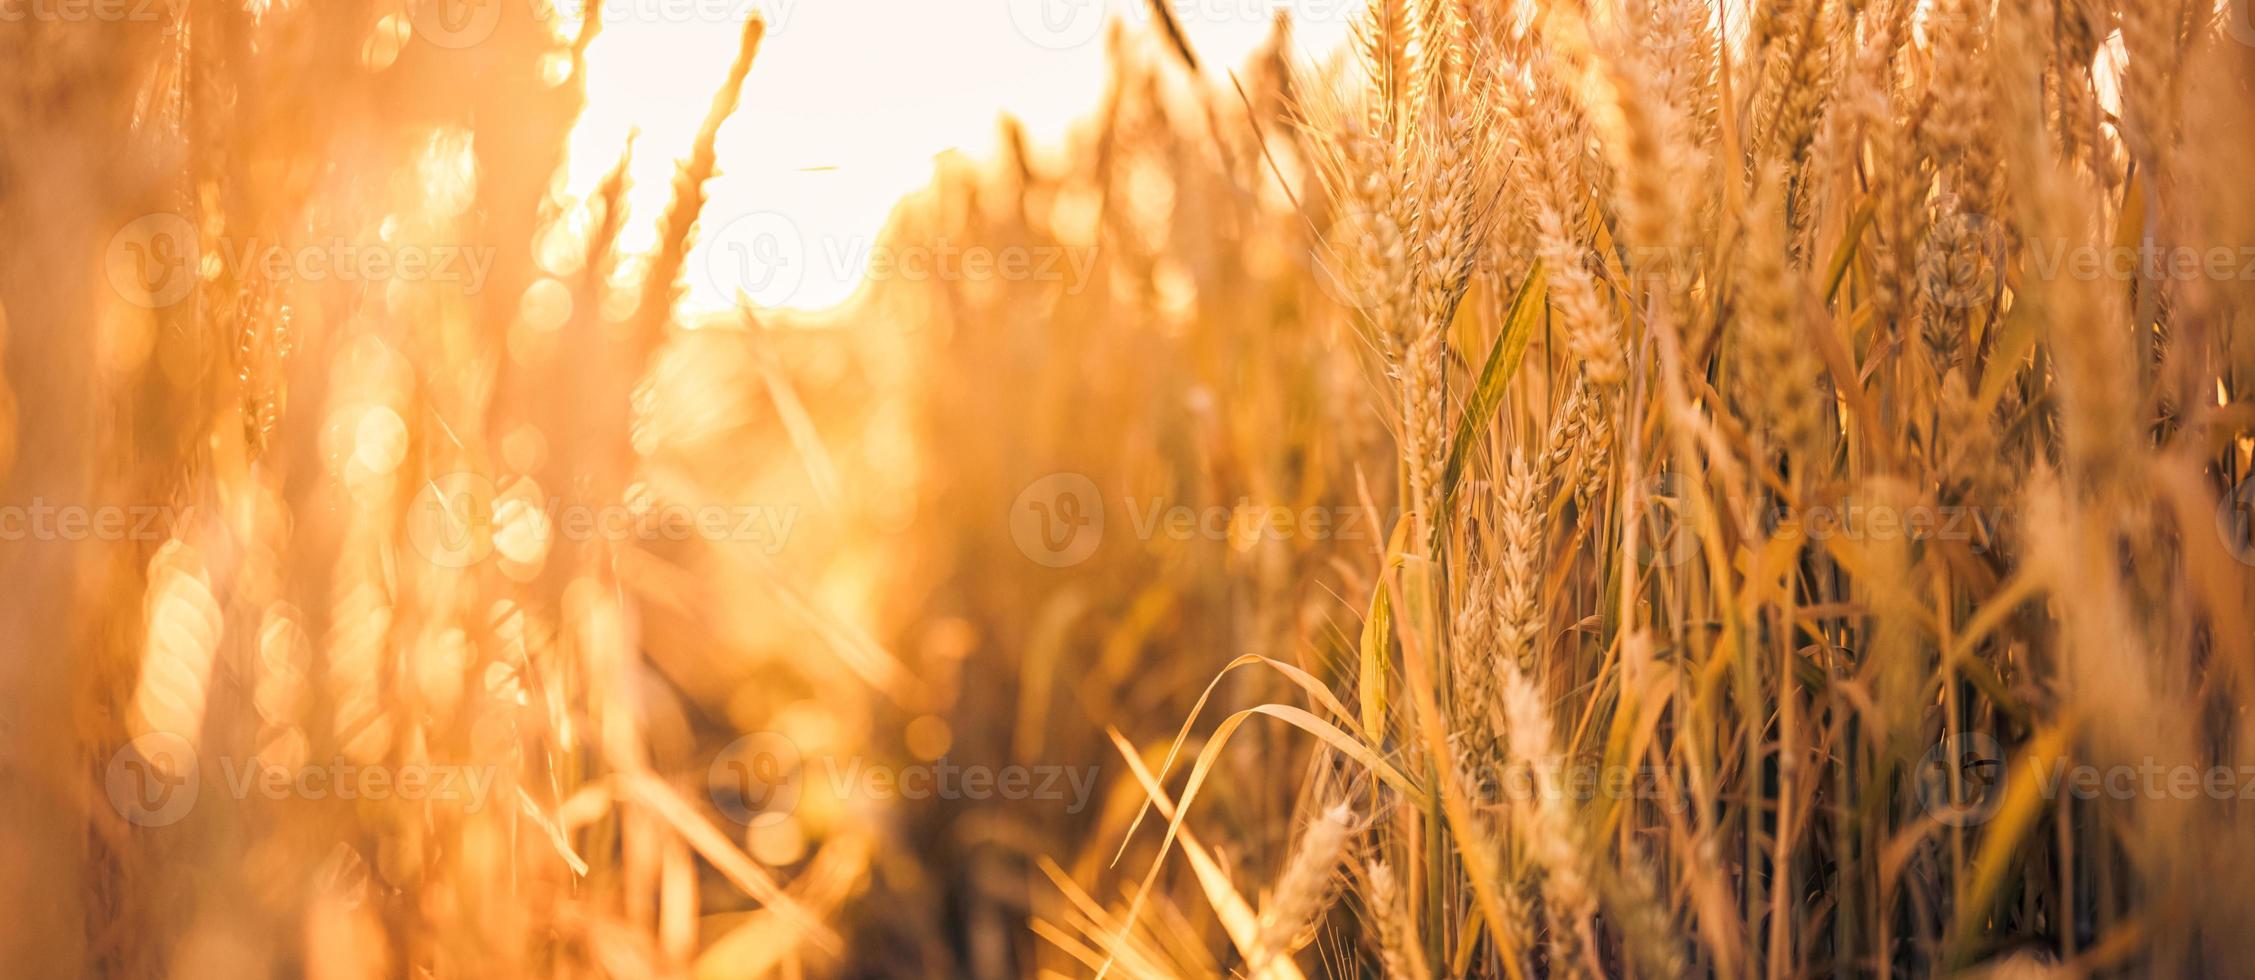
{"points": [[845, 109]]}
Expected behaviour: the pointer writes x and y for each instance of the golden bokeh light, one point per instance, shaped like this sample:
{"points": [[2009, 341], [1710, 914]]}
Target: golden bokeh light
{"points": [[1280, 489]]}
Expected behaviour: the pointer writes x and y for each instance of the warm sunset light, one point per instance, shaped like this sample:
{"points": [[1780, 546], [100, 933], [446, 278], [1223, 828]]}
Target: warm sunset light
{"points": [[1147, 489], [849, 103]]}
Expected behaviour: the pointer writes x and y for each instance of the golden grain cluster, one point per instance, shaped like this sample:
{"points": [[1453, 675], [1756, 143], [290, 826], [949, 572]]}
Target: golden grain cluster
{"points": [[1586, 488]]}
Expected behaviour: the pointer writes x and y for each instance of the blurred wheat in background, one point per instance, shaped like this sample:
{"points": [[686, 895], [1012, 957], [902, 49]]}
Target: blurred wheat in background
{"points": [[1599, 487]]}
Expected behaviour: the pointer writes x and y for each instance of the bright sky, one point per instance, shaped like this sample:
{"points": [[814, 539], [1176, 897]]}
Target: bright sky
{"points": [[846, 107]]}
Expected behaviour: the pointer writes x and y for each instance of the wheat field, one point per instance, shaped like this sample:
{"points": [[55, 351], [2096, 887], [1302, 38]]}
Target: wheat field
{"points": [[1638, 488]]}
